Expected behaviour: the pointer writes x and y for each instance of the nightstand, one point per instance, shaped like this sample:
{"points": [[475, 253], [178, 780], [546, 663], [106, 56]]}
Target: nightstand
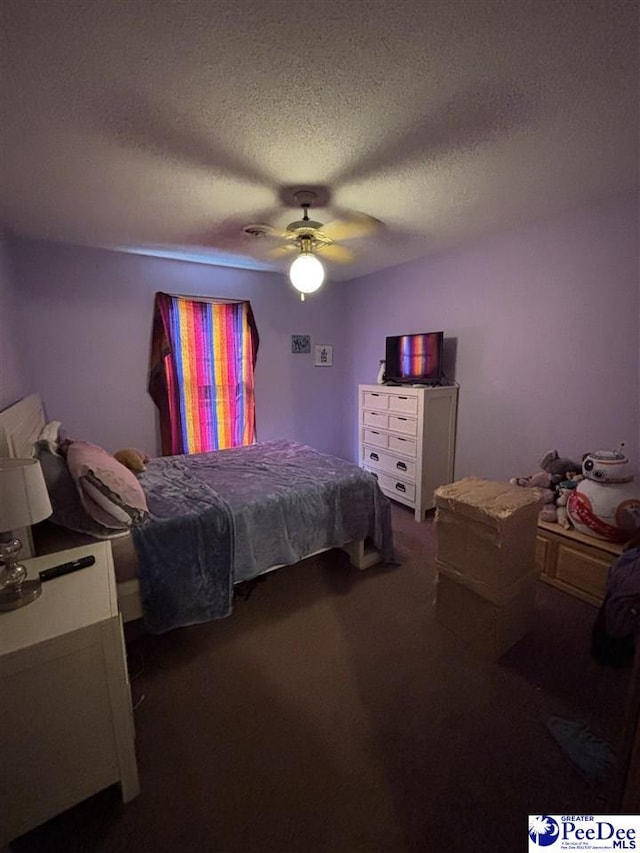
{"points": [[573, 562], [66, 723]]}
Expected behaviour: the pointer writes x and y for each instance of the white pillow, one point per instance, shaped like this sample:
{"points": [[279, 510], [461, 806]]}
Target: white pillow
{"points": [[49, 436], [109, 492]]}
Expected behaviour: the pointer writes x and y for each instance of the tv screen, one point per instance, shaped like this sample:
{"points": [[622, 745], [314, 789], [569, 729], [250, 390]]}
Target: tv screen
{"points": [[414, 358]]}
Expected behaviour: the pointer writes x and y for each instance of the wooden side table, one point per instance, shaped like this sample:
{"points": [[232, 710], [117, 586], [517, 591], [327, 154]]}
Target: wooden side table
{"points": [[573, 562], [66, 728]]}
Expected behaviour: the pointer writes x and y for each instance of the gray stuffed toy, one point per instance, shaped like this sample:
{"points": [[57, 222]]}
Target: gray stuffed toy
{"points": [[557, 466]]}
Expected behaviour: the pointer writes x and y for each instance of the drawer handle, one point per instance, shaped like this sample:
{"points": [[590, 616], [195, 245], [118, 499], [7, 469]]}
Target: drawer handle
{"points": [[401, 419], [373, 394], [373, 432], [374, 456], [399, 437], [403, 398], [373, 474], [401, 466], [401, 487]]}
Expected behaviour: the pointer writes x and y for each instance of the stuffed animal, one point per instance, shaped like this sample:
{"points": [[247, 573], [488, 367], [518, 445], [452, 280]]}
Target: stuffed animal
{"points": [[561, 507], [553, 483], [559, 467], [549, 512], [606, 503], [134, 460], [541, 480]]}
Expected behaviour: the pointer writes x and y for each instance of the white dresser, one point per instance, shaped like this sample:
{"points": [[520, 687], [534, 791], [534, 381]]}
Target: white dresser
{"points": [[407, 440]]}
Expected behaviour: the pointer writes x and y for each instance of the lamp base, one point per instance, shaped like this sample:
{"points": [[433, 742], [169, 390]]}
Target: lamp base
{"points": [[12, 597]]}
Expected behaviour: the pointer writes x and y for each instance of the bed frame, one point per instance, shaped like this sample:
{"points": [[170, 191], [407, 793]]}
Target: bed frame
{"points": [[20, 426]]}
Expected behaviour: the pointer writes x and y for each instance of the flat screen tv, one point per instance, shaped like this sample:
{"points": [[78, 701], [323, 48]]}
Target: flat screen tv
{"points": [[414, 359]]}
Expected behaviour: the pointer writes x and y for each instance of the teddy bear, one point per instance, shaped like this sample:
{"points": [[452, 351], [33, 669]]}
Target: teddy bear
{"points": [[134, 460]]}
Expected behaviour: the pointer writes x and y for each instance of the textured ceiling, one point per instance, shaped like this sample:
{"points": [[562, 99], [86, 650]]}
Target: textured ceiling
{"points": [[171, 124]]}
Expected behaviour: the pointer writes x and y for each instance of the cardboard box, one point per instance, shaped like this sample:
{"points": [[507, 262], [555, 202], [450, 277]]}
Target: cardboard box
{"points": [[486, 532], [500, 595], [488, 628]]}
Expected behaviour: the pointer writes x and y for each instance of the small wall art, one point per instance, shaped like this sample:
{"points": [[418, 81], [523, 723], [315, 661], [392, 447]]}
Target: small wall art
{"points": [[323, 356], [300, 343]]}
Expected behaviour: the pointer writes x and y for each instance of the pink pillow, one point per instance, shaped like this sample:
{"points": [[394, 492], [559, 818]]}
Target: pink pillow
{"points": [[109, 492]]}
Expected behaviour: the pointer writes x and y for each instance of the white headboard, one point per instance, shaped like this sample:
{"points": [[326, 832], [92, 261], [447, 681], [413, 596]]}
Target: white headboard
{"points": [[20, 426]]}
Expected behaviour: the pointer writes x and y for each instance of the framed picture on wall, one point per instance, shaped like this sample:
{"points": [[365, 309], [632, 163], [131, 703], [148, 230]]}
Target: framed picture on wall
{"points": [[300, 343], [323, 356]]}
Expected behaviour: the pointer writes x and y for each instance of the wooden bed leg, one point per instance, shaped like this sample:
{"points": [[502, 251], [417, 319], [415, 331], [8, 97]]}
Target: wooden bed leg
{"points": [[360, 555]]}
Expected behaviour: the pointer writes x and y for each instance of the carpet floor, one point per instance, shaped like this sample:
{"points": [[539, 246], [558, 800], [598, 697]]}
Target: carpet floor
{"points": [[332, 713]]}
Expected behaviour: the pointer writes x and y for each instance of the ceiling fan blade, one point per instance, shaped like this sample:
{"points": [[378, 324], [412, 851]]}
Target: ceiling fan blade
{"points": [[333, 252], [282, 251], [356, 225]]}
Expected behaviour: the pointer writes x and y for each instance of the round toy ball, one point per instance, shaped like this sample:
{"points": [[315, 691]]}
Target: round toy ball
{"points": [[607, 466], [606, 510]]}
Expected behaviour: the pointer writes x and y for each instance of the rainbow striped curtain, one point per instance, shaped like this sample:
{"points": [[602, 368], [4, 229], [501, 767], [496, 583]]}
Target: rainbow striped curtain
{"points": [[203, 355]]}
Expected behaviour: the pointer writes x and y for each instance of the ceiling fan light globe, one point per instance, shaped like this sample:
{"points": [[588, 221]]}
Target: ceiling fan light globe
{"points": [[306, 273]]}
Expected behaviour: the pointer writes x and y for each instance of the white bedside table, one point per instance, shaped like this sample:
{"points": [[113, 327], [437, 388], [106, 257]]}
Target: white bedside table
{"points": [[66, 724]]}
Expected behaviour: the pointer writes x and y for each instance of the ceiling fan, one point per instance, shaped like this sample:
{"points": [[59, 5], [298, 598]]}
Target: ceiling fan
{"points": [[310, 240]]}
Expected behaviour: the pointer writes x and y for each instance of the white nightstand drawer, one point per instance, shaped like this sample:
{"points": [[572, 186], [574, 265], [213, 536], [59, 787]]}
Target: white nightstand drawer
{"points": [[376, 419], [409, 426], [380, 439], [403, 403], [372, 400], [400, 444]]}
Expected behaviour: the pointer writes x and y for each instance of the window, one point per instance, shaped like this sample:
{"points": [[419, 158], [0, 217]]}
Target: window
{"points": [[203, 354]]}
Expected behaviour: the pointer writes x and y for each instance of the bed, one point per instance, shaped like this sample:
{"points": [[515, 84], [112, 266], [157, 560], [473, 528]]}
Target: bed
{"points": [[221, 519]]}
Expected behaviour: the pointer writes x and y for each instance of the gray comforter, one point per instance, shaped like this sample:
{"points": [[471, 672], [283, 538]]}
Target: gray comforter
{"points": [[224, 517]]}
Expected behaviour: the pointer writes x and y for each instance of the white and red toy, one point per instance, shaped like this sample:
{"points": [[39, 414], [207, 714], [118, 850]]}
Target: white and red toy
{"points": [[606, 503]]}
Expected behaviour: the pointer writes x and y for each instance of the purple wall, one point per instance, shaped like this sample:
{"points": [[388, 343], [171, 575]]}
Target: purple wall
{"points": [[542, 334], [14, 377], [88, 325]]}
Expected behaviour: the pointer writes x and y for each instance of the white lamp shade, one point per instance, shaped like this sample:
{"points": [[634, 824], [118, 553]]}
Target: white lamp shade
{"points": [[306, 273], [24, 499]]}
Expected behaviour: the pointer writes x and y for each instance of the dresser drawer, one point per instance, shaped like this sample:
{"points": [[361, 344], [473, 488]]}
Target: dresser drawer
{"points": [[375, 419], [379, 439], [387, 462], [581, 571], [372, 400], [400, 444], [398, 423], [403, 404], [394, 487]]}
